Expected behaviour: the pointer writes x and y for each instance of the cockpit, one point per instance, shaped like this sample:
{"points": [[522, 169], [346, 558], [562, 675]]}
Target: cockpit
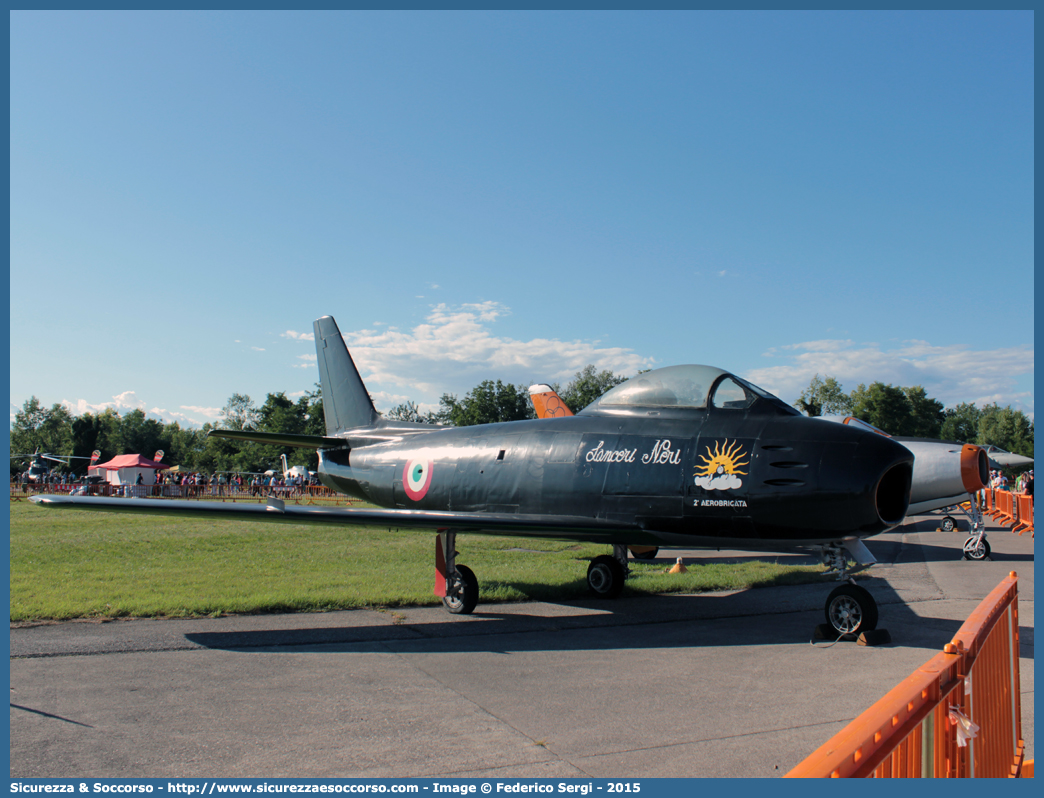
{"points": [[687, 387]]}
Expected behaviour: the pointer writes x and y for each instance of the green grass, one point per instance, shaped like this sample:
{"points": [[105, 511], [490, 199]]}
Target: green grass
{"points": [[72, 564]]}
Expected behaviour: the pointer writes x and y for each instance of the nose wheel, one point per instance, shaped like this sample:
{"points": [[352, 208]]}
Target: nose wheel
{"points": [[851, 610], [977, 548]]}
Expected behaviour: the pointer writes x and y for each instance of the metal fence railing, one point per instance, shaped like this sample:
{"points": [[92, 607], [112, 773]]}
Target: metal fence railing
{"points": [[958, 715]]}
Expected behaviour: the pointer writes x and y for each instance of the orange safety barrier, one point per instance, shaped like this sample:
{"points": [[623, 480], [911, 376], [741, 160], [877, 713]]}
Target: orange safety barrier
{"points": [[1004, 514], [1024, 503], [918, 728]]}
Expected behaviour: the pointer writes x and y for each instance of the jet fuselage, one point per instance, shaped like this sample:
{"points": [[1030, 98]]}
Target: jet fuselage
{"points": [[681, 475]]}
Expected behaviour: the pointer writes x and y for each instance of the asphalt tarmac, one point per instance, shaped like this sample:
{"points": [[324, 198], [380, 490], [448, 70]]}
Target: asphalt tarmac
{"points": [[711, 685]]}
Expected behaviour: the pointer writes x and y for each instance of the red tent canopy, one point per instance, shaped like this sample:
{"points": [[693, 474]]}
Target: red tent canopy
{"points": [[129, 461]]}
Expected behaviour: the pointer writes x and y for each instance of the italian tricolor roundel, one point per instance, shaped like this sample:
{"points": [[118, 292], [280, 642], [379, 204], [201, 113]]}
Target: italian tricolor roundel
{"points": [[416, 477]]}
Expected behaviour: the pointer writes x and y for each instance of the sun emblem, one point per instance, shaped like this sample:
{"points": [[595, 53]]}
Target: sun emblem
{"points": [[721, 466]]}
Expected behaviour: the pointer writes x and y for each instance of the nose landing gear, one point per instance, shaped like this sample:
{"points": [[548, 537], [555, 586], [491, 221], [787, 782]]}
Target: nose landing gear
{"points": [[849, 609]]}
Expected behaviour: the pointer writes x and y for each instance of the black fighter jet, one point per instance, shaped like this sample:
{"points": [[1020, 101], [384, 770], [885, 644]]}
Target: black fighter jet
{"points": [[681, 456]]}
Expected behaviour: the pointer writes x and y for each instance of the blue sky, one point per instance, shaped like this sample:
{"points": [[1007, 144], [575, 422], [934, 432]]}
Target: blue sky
{"points": [[511, 196]]}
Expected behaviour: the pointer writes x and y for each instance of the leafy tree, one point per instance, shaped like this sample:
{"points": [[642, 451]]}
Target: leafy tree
{"points": [[186, 446], [408, 411], [239, 413], [961, 423], [884, 406], [314, 415], [487, 403], [587, 386], [925, 414], [824, 397], [1007, 428], [101, 432], [26, 437], [141, 435], [37, 428]]}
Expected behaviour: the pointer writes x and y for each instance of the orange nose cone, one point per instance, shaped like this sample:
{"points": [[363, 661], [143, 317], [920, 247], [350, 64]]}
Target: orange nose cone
{"points": [[975, 468]]}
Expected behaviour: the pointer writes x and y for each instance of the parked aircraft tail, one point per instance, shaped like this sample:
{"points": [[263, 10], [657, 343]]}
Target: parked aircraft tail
{"points": [[346, 403], [547, 403]]}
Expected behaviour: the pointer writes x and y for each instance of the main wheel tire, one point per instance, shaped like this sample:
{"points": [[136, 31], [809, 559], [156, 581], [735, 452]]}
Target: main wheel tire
{"points": [[605, 577], [462, 593], [977, 552], [851, 609], [948, 524], [644, 552]]}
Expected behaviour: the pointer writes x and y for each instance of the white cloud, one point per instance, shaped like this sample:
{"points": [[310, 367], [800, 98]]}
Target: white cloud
{"points": [[209, 413], [128, 401], [455, 348], [951, 374], [258, 348], [298, 336]]}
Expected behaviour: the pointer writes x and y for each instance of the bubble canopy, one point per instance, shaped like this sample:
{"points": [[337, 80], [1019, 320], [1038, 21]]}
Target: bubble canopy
{"points": [[689, 386]]}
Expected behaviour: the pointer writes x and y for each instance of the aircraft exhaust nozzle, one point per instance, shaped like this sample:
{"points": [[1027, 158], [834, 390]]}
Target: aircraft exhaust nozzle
{"points": [[892, 496], [975, 467]]}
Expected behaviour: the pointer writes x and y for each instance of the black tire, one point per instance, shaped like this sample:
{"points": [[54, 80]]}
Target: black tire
{"points": [[978, 553], [645, 552], [605, 577], [851, 609], [948, 524], [462, 592]]}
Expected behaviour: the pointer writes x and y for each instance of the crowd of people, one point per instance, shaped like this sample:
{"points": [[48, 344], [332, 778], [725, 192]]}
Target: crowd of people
{"points": [[1023, 482], [219, 483]]}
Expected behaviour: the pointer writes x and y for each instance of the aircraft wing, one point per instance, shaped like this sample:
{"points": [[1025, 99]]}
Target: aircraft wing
{"points": [[595, 530], [1002, 459], [280, 439]]}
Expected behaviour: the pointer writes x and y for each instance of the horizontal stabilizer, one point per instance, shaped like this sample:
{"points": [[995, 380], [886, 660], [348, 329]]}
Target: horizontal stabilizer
{"points": [[281, 438]]}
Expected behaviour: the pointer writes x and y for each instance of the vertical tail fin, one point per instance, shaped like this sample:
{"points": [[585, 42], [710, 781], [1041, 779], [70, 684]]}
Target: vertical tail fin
{"points": [[346, 403], [547, 403]]}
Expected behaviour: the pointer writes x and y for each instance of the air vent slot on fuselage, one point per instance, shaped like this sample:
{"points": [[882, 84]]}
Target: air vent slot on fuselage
{"points": [[789, 464], [785, 483], [777, 447]]}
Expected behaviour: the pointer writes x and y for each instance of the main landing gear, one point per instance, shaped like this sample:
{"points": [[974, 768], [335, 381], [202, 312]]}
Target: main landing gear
{"points": [[606, 574], [455, 583], [459, 588]]}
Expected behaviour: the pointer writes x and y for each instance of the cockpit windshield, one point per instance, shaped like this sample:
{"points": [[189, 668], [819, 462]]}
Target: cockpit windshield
{"points": [[674, 386], [696, 387]]}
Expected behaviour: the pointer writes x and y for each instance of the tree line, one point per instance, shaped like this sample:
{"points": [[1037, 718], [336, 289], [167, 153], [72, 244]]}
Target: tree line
{"points": [[36, 428], [55, 431], [909, 411]]}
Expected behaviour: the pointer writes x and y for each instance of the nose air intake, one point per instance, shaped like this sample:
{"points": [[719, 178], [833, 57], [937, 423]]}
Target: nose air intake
{"points": [[975, 468], [893, 493]]}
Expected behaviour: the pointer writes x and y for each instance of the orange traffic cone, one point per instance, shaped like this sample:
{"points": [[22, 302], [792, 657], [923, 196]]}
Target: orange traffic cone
{"points": [[678, 567]]}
